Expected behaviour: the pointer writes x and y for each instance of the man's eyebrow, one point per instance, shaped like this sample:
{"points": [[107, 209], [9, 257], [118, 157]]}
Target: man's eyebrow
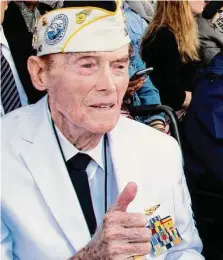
{"points": [[86, 54], [122, 59], [95, 54]]}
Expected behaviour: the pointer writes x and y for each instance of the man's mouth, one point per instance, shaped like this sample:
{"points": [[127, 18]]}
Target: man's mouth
{"points": [[103, 106]]}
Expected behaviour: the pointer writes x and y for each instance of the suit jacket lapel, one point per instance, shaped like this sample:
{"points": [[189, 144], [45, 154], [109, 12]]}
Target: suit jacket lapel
{"points": [[128, 167], [46, 165], [124, 169]]}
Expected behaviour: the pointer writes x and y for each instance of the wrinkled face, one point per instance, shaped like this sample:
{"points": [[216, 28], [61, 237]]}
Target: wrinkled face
{"points": [[197, 6], [87, 88]]}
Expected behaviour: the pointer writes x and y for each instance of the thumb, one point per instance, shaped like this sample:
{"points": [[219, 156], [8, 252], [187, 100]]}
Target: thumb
{"points": [[125, 198]]}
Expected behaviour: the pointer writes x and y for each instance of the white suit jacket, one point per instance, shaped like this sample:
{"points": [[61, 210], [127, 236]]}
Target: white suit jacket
{"points": [[41, 215]]}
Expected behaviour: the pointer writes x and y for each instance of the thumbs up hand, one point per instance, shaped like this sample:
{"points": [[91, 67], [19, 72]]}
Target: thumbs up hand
{"points": [[122, 235]]}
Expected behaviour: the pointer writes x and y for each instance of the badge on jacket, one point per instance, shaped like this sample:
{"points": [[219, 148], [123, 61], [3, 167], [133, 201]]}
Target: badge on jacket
{"points": [[164, 234]]}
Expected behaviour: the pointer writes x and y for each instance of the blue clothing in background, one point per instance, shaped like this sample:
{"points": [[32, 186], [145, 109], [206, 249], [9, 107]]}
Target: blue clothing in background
{"points": [[203, 156], [148, 94], [203, 131]]}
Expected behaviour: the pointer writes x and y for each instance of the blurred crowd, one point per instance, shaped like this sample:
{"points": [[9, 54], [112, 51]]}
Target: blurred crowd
{"points": [[182, 41]]}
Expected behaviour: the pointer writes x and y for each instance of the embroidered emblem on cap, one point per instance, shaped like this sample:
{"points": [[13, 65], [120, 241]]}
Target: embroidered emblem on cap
{"points": [[56, 30], [81, 16], [44, 21]]}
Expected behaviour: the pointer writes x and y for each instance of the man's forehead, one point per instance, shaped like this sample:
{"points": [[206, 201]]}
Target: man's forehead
{"points": [[115, 54], [88, 53]]}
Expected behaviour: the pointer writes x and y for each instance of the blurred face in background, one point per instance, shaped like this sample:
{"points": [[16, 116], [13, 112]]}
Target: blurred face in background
{"points": [[197, 7], [3, 6]]}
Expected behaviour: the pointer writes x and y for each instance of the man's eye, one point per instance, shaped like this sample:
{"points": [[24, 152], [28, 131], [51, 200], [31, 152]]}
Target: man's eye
{"points": [[87, 65], [120, 67]]}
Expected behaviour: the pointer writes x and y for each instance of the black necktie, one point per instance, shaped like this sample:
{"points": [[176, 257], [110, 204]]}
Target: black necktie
{"points": [[9, 92], [77, 170]]}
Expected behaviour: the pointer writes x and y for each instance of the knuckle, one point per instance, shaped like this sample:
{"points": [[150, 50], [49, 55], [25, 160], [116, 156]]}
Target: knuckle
{"points": [[112, 218], [112, 233], [115, 233], [143, 219], [114, 250], [109, 218], [146, 248], [149, 232], [145, 234], [141, 248], [106, 235]]}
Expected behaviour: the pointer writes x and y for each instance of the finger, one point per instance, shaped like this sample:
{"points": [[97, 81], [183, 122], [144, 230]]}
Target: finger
{"points": [[129, 220], [142, 79], [130, 89], [125, 198], [137, 249], [136, 81], [137, 235], [138, 86], [139, 82]]}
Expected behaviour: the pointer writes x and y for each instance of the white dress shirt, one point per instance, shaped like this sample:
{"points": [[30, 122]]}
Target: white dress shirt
{"points": [[96, 173], [7, 54]]}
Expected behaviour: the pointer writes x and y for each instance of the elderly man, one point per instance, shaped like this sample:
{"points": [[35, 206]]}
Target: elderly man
{"points": [[69, 183]]}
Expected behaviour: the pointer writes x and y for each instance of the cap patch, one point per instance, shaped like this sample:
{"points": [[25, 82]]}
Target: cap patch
{"points": [[56, 30], [81, 16]]}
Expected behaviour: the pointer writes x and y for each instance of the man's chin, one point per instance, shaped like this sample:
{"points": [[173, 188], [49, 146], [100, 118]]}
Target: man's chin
{"points": [[103, 127]]}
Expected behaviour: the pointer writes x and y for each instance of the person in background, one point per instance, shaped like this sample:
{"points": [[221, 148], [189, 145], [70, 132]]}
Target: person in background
{"points": [[12, 92], [210, 35], [19, 25], [144, 8], [171, 47], [71, 186], [32, 10], [203, 155], [141, 91]]}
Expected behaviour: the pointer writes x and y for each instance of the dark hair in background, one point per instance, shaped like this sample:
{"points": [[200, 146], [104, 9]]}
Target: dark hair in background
{"points": [[211, 9]]}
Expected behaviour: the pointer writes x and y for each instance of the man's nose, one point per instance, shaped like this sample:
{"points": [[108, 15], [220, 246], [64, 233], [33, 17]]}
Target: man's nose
{"points": [[105, 82]]}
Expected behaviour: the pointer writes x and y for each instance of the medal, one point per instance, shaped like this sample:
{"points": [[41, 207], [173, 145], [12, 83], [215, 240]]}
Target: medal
{"points": [[164, 233]]}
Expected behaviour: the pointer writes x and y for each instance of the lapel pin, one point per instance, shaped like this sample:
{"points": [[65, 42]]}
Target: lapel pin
{"points": [[150, 211]]}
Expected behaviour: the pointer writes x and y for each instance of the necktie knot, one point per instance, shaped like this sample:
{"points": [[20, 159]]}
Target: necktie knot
{"points": [[80, 161]]}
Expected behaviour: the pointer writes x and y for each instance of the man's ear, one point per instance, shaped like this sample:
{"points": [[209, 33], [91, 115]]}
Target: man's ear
{"points": [[37, 70]]}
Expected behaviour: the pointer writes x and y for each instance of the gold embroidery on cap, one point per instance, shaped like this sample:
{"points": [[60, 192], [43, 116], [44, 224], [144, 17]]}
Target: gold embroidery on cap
{"points": [[82, 15], [44, 21]]}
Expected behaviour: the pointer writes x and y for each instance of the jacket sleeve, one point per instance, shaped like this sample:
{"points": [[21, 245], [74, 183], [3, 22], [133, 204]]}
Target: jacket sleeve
{"points": [[191, 246], [6, 243]]}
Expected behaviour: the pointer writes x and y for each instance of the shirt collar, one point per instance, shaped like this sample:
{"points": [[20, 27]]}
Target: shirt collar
{"points": [[3, 40], [69, 150]]}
